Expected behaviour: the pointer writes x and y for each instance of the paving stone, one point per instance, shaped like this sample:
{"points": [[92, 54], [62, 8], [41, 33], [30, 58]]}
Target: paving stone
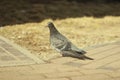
{"points": [[114, 74], [9, 73], [44, 68], [29, 77], [37, 69], [57, 79], [95, 71], [104, 67], [15, 69], [114, 65], [63, 74], [104, 61], [118, 78], [92, 77], [106, 52], [6, 58], [65, 68], [12, 54], [78, 63], [62, 60], [101, 49]]}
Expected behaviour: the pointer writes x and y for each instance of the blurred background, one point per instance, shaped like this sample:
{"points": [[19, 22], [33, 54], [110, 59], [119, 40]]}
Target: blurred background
{"points": [[84, 22], [23, 11]]}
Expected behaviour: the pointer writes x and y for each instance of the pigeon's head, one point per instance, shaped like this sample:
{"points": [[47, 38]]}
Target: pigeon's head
{"points": [[50, 24], [52, 28]]}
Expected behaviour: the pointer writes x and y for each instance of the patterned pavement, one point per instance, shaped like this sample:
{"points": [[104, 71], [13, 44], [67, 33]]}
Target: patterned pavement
{"points": [[105, 66], [12, 54]]}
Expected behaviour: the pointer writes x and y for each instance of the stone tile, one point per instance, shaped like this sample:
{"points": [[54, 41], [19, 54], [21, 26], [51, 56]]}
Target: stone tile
{"points": [[95, 71], [92, 77], [9, 73], [56, 79], [101, 49], [96, 57], [12, 54], [114, 65], [6, 58], [62, 74], [118, 78], [2, 51], [64, 68], [37, 69], [46, 68], [29, 77], [106, 53], [114, 74], [78, 63], [17, 68], [104, 61], [62, 60]]}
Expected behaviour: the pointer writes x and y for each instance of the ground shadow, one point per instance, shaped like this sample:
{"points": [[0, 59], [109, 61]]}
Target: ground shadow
{"points": [[24, 11]]}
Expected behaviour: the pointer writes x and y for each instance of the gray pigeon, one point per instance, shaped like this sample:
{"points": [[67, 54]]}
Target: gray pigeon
{"points": [[63, 45]]}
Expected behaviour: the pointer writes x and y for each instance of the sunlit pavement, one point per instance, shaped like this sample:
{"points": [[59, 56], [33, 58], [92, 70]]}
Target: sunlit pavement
{"points": [[18, 64]]}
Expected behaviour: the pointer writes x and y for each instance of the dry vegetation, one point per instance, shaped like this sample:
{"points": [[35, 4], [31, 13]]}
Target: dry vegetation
{"points": [[82, 31]]}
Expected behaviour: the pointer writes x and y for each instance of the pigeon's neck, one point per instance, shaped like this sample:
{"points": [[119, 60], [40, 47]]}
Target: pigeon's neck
{"points": [[53, 30]]}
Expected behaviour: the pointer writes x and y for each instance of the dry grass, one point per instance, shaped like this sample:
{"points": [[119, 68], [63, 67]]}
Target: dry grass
{"points": [[84, 32]]}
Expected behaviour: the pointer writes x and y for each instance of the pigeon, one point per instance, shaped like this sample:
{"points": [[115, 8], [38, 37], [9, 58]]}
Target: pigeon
{"points": [[64, 46]]}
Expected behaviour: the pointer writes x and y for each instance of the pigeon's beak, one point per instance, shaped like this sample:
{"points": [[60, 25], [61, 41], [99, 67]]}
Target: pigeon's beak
{"points": [[49, 24]]}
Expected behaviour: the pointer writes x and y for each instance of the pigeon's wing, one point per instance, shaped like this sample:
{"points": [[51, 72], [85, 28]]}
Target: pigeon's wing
{"points": [[74, 48], [59, 43]]}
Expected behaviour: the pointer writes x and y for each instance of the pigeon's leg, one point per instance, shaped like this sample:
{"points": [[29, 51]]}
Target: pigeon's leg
{"points": [[63, 54]]}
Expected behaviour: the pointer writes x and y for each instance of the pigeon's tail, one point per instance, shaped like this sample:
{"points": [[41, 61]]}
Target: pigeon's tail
{"points": [[85, 57], [75, 55], [81, 55]]}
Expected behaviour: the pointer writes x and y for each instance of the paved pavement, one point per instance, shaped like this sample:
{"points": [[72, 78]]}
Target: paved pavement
{"points": [[105, 66], [12, 54]]}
